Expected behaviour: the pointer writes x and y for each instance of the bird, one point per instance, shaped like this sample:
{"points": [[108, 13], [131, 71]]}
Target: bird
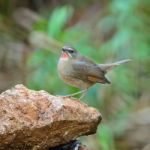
{"points": [[82, 72]]}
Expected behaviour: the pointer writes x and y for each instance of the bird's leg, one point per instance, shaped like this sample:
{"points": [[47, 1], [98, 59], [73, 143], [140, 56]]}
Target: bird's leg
{"points": [[83, 94], [73, 94]]}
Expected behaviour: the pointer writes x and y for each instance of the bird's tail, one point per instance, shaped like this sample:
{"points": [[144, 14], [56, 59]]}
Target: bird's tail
{"points": [[107, 67]]}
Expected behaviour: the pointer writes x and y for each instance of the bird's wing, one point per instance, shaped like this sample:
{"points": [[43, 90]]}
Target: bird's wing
{"points": [[84, 59], [88, 71]]}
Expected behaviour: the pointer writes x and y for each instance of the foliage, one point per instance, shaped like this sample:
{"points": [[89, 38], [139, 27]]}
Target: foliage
{"points": [[43, 63], [131, 39], [106, 137], [58, 20], [129, 20], [117, 31]]}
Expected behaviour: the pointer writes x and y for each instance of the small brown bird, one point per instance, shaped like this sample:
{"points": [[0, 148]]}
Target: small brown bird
{"points": [[82, 72]]}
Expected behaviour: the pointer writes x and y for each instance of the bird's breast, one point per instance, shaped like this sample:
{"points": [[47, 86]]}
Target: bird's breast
{"points": [[66, 73], [64, 67]]}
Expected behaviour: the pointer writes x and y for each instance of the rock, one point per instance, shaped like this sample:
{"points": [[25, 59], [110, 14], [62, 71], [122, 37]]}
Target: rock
{"points": [[37, 120]]}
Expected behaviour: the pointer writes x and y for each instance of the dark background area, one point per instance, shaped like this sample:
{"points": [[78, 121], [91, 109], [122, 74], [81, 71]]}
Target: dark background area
{"points": [[32, 33]]}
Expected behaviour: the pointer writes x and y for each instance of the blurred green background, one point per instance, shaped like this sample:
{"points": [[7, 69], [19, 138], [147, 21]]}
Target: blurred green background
{"points": [[33, 32]]}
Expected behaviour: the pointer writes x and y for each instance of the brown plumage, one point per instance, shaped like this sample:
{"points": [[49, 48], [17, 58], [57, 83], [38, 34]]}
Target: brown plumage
{"points": [[80, 71]]}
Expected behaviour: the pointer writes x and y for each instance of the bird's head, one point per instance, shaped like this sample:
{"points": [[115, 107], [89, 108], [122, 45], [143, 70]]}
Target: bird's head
{"points": [[69, 52]]}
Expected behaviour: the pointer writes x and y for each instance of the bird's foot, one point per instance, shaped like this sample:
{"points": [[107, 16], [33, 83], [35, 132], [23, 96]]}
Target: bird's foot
{"points": [[73, 94], [65, 96]]}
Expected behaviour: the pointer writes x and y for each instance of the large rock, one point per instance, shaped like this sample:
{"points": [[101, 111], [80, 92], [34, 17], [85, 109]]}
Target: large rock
{"points": [[36, 120]]}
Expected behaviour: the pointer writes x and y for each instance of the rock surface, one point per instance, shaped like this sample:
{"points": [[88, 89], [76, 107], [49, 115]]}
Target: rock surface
{"points": [[36, 120]]}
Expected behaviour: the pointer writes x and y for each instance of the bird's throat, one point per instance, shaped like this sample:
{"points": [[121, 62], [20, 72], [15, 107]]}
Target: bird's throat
{"points": [[64, 56]]}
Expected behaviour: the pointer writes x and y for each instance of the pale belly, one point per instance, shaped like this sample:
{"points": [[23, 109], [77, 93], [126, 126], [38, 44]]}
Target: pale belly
{"points": [[76, 82], [66, 74]]}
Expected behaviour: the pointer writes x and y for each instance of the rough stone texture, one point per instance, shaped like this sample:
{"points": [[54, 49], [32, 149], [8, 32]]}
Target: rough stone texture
{"points": [[36, 120]]}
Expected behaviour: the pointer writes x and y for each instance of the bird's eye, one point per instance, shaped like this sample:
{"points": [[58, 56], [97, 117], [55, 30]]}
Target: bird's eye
{"points": [[71, 51]]}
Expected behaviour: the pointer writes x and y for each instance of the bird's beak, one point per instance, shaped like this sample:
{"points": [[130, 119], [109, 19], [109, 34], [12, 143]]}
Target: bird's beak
{"points": [[66, 53], [69, 54]]}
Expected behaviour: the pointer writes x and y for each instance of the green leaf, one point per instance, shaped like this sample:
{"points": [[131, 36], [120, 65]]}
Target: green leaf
{"points": [[58, 20], [105, 137]]}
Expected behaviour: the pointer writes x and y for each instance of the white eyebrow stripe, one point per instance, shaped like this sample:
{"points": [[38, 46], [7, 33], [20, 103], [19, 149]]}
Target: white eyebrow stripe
{"points": [[69, 48]]}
